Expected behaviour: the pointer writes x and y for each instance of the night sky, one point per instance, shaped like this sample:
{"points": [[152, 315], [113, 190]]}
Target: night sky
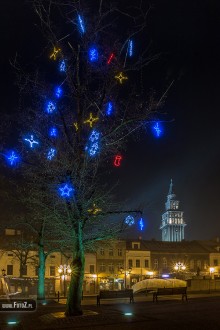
{"points": [[187, 34]]}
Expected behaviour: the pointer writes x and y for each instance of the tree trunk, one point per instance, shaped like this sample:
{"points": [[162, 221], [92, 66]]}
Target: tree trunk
{"points": [[41, 273], [73, 305]]}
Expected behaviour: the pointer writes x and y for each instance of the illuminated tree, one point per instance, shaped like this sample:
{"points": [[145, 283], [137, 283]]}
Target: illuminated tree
{"points": [[84, 108]]}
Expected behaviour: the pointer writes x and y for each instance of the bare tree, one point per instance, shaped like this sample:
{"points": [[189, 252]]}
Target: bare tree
{"points": [[71, 135]]}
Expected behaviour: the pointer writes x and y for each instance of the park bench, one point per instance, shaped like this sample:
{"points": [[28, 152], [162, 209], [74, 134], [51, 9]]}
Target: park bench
{"points": [[110, 294], [170, 291]]}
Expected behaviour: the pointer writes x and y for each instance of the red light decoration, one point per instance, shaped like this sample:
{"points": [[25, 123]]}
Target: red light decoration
{"points": [[117, 160], [110, 58]]}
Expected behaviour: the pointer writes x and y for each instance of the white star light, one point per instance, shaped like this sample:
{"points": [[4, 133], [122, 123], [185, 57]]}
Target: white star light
{"points": [[31, 141], [65, 190]]}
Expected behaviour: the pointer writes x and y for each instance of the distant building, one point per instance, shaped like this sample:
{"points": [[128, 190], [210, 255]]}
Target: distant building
{"points": [[172, 226]]}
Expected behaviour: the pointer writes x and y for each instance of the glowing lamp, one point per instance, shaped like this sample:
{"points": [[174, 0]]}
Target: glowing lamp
{"points": [[50, 107], [117, 160], [129, 220], [12, 158], [53, 132], [81, 24], [93, 55], [66, 190]]}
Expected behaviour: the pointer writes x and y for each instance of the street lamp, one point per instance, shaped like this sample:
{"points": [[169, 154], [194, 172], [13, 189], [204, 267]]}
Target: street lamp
{"points": [[211, 271], [126, 272], [179, 266], [64, 271]]}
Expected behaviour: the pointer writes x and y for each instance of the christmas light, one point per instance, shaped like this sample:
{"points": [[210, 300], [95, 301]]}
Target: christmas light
{"points": [[31, 141], [93, 55], [130, 48], [157, 130], [51, 153], [120, 77], [12, 158], [53, 132], [110, 58], [94, 210], [66, 190], [76, 126], [91, 120], [129, 220], [55, 53], [117, 160], [62, 66], [50, 107], [93, 149], [58, 92], [81, 24], [141, 224], [109, 108], [94, 136]]}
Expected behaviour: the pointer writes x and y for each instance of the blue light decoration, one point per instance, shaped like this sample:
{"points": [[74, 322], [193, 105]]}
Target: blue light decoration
{"points": [[58, 92], [31, 141], [12, 158], [66, 190], [93, 55], [141, 224], [53, 132], [93, 145], [51, 153], [130, 48], [50, 107], [109, 109], [129, 220], [81, 24], [157, 130], [62, 66]]}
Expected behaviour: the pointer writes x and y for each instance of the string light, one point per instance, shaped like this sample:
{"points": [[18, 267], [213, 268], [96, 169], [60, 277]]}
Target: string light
{"points": [[141, 224], [66, 190], [109, 108], [58, 92], [51, 153], [117, 160], [31, 141], [93, 55], [110, 58], [91, 120], [130, 48], [12, 158], [121, 77], [55, 53], [157, 130], [53, 132], [62, 66], [129, 220], [50, 107], [94, 210], [81, 24]]}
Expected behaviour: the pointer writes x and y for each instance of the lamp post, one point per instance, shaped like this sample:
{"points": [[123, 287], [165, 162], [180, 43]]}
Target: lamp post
{"points": [[179, 267], [125, 272], [64, 271]]}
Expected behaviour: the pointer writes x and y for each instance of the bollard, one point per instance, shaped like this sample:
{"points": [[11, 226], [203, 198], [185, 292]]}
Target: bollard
{"points": [[58, 296]]}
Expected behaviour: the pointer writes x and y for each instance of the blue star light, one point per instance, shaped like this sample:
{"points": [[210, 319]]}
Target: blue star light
{"points": [[93, 149], [51, 153], [157, 130], [12, 158], [50, 107], [81, 24], [141, 224], [109, 108], [58, 92], [31, 141], [94, 136], [93, 55], [129, 220], [66, 190], [53, 132]]}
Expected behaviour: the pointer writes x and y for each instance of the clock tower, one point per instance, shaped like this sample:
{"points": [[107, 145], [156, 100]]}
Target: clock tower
{"points": [[172, 219]]}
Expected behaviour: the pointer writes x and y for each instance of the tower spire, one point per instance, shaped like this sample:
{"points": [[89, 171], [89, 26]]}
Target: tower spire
{"points": [[171, 188]]}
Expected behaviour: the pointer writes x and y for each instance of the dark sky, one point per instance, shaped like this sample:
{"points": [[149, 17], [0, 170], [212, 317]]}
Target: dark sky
{"points": [[187, 34]]}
